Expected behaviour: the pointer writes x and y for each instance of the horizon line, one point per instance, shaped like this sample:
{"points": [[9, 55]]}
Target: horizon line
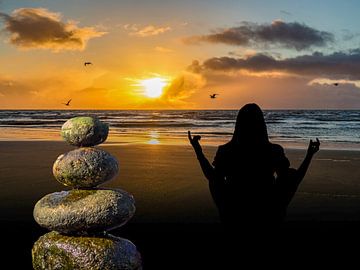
{"points": [[174, 109]]}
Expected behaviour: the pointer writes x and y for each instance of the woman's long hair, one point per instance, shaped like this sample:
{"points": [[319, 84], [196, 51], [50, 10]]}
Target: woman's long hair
{"points": [[250, 129]]}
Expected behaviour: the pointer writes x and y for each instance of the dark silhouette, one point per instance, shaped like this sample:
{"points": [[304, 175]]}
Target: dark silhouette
{"points": [[67, 103], [242, 178], [87, 63], [213, 95], [336, 84]]}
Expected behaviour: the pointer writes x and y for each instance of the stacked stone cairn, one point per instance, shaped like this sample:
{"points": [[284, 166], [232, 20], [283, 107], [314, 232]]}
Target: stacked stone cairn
{"points": [[79, 219]]}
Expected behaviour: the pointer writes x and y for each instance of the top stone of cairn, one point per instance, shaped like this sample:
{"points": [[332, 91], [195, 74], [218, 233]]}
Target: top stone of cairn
{"points": [[84, 131]]}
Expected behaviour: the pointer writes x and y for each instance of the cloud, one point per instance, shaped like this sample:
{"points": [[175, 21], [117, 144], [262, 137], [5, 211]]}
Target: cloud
{"points": [[331, 82], [336, 65], [288, 35], [39, 28], [348, 35], [163, 49], [146, 31], [195, 67], [184, 86]]}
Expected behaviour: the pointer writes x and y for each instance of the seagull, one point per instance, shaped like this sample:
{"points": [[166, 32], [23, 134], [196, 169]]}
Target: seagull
{"points": [[213, 95], [67, 103], [87, 63], [336, 84]]}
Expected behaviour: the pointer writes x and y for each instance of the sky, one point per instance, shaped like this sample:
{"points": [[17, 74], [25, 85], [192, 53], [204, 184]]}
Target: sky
{"points": [[152, 54]]}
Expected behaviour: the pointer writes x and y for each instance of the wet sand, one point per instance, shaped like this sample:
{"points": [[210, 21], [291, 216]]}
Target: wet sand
{"points": [[176, 219]]}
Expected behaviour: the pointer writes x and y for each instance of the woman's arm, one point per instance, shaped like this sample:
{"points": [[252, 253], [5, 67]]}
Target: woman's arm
{"points": [[312, 149], [288, 179], [206, 167]]}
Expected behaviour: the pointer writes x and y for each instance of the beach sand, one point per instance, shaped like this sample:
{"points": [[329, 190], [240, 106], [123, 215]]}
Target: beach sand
{"points": [[174, 207]]}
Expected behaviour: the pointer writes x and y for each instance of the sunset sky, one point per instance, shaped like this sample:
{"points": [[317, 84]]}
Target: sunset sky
{"points": [[148, 54]]}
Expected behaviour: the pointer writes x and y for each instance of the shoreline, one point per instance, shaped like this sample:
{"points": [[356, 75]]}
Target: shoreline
{"points": [[205, 142]]}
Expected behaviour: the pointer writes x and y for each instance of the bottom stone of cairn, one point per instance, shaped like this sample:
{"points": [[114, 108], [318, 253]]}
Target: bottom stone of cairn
{"points": [[54, 251]]}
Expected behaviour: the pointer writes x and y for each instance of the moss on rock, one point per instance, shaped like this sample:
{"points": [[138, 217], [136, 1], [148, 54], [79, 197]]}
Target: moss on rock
{"points": [[85, 167], [84, 211], [54, 251], [84, 131]]}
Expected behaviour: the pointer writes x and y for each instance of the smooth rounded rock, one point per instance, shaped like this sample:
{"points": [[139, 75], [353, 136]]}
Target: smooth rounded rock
{"points": [[84, 211], [85, 167], [55, 251], [84, 131]]}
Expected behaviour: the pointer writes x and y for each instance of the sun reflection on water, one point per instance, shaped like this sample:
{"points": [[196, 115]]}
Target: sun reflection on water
{"points": [[154, 137]]}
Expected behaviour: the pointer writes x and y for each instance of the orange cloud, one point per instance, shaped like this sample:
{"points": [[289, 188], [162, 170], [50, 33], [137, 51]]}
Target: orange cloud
{"points": [[163, 49], [183, 86], [39, 28], [146, 31]]}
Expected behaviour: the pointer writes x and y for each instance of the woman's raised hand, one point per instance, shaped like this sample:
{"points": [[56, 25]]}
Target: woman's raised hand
{"points": [[313, 147], [195, 142]]}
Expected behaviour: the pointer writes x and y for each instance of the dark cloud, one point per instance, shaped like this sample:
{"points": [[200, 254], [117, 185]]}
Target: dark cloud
{"points": [[41, 28], [289, 35], [195, 67], [336, 65], [348, 35]]}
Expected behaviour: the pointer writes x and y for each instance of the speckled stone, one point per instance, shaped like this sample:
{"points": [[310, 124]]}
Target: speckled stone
{"points": [[85, 167], [84, 211], [60, 252], [84, 131]]}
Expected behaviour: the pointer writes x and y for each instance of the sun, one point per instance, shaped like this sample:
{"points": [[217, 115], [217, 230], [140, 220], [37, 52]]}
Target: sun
{"points": [[153, 87]]}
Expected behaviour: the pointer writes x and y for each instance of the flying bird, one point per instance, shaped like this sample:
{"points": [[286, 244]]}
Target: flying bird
{"points": [[213, 95], [336, 84], [67, 103], [87, 63]]}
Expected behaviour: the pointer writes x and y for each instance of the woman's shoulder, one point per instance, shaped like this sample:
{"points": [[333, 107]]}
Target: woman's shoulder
{"points": [[222, 152], [225, 147], [276, 148]]}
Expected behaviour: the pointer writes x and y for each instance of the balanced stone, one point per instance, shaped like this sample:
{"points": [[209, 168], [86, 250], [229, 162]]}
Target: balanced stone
{"points": [[82, 212], [56, 251], [85, 167], [84, 131]]}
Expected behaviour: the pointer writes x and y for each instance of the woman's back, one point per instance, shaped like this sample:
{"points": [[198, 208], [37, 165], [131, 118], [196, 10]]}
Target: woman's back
{"points": [[244, 185]]}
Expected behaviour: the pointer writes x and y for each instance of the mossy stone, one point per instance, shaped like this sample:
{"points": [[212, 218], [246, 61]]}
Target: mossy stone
{"points": [[54, 251], [85, 167], [84, 131], [83, 212]]}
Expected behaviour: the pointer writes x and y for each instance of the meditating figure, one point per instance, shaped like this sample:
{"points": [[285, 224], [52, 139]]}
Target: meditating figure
{"points": [[250, 180]]}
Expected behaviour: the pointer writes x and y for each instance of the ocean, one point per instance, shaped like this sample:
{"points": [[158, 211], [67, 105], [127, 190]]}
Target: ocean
{"points": [[338, 129]]}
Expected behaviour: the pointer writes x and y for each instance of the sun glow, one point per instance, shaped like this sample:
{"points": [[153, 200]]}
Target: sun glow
{"points": [[153, 87]]}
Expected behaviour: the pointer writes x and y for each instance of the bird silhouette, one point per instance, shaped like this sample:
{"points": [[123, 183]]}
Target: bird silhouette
{"points": [[213, 95], [336, 84], [67, 103], [87, 63]]}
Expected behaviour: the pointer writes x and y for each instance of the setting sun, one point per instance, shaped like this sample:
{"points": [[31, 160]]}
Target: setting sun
{"points": [[153, 87]]}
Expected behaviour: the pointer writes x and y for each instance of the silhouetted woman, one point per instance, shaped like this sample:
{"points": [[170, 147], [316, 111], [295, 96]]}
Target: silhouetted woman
{"points": [[242, 177]]}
